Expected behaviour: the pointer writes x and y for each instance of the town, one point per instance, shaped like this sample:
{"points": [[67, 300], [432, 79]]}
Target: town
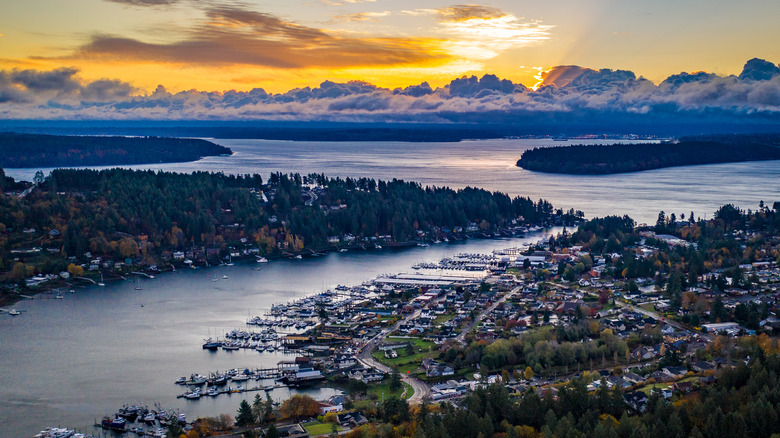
{"points": [[647, 314]]}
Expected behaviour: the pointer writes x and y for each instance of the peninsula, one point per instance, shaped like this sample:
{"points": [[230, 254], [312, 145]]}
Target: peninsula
{"points": [[35, 150], [621, 158]]}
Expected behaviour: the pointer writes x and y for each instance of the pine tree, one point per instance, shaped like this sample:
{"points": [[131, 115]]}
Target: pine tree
{"points": [[245, 416]]}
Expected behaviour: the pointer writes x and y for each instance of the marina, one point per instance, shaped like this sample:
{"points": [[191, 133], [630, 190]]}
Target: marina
{"points": [[163, 326]]}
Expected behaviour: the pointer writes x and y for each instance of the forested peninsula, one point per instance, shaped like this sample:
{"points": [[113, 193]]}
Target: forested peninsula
{"points": [[118, 220], [621, 158], [35, 150]]}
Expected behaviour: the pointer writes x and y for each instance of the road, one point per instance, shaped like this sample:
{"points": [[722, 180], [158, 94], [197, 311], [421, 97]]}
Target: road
{"points": [[421, 389], [658, 317], [462, 336]]}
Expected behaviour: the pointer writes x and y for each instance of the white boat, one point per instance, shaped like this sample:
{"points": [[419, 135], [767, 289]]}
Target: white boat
{"points": [[298, 257], [58, 296], [212, 392], [224, 277], [101, 283], [262, 260], [214, 278], [14, 312]]}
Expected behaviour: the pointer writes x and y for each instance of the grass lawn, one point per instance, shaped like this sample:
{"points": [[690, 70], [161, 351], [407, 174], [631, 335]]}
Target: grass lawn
{"points": [[317, 428], [441, 319], [647, 389], [383, 389], [423, 350]]}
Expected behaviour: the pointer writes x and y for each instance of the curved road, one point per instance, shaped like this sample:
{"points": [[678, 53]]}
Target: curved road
{"points": [[421, 389]]}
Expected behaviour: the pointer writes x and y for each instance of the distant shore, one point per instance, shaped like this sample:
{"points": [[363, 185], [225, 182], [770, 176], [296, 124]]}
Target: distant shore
{"points": [[623, 158], [37, 150]]}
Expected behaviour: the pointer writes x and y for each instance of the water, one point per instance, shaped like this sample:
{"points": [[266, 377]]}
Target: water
{"points": [[68, 362], [490, 164]]}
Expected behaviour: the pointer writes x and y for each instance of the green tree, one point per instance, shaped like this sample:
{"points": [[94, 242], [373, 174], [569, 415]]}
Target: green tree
{"points": [[245, 416], [395, 380]]}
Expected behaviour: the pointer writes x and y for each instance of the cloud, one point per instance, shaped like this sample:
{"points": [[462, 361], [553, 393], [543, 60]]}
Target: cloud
{"points": [[568, 94], [362, 16], [483, 32], [759, 70], [58, 86], [468, 12], [231, 35], [145, 2]]}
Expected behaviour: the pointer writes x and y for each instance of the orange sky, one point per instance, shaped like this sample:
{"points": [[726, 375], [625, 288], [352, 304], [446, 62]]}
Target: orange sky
{"points": [[223, 45]]}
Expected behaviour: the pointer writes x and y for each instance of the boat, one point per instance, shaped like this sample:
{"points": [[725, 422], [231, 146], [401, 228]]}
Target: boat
{"points": [[72, 291], [224, 277], [129, 412], [101, 283], [212, 345], [298, 257], [240, 378], [193, 395], [181, 380], [212, 392], [14, 312], [262, 260], [214, 278], [59, 295], [149, 418], [182, 419], [118, 423], [230, 347], [138, 430], [343, 250]]}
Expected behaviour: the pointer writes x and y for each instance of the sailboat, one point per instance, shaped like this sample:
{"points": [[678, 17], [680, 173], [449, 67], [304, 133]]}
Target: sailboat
{"points": [[230, 260], [137, 284], [101, 281], [59, 295], [14, 312], [214, 278]]}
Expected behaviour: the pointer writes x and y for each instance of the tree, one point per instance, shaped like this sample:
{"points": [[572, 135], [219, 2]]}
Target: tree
{"points": [[529, 373], [395, 380], [395, 410], [19, 271], [245, 416], [174, 430], [299, 406], [272, 431], [75, 270]]}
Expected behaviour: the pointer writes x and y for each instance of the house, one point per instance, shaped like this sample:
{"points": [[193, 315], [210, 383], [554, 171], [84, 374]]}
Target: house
{"points": [[352, 419], [637, 400], [684, 387], [290, 431], [327, 407], [676, 372]]}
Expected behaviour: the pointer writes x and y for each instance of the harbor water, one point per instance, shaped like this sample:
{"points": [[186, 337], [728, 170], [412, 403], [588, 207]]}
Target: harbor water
{"points": [[69, 362]]}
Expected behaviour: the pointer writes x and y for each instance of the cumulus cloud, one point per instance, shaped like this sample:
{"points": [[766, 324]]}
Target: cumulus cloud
{"points": [[569, 93]]}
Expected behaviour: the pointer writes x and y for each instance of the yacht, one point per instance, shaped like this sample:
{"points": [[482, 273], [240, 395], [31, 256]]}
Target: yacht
{"points": [[14, 312], [262, 260]]}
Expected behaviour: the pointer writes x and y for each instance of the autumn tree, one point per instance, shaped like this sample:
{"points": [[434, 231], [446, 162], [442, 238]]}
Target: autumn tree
{"points": [[298, 407]]}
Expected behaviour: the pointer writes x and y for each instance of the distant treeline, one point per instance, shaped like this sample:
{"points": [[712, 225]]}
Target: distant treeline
{"points": [[34, 150], [619, 158]]}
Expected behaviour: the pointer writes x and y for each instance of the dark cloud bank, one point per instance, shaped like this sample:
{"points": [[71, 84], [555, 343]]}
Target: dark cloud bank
{"points": [[570, 95]]}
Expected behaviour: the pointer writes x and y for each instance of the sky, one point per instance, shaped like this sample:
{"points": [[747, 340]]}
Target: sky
{"points": [[281, 45]]}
